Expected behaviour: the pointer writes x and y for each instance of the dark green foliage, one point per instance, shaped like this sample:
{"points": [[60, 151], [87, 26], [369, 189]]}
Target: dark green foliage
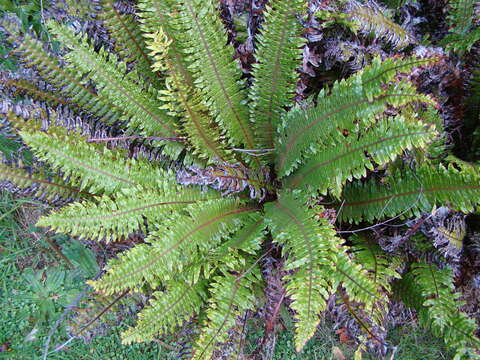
{"points": [[432, 293]]}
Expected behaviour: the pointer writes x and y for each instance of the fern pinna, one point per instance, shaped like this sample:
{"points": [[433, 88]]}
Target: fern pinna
{"points": [[241, 169]]}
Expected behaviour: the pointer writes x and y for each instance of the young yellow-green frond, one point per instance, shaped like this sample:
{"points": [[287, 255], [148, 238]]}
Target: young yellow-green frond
{"points": [[357, 99], [175, 244], [113, 219], [166, 311], [215, 73], [161, 15], [230, 296], [186, 103], [352, 155], [406, 193], [278, 55]]}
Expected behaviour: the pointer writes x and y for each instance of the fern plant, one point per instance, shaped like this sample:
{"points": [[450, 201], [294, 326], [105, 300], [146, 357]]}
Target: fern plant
{"points": [[245, 169], [464, 31]]}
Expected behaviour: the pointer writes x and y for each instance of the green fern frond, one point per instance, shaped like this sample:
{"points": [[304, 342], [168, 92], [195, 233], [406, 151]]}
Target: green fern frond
{"points": [[176, 243], [353, 277], [381, 268], [317, 261], [249, 167], [141, 107], [462, 34], [231, 295], [440, 309], [67, 81], [461, 15], [359, 98], [94, 167], [166, 311], [25, 88], [462, 43], [352, 155], [247, 238], [113, 219], [129, 43], [372, 20], [215, 73], [49, 187], [409, 193], [278, 55]]}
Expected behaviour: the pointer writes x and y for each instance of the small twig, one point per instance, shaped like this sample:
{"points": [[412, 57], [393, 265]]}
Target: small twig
{"points": [[55, 248], [123, 138], [254, 152], [74, 336], [104, 310], [165, 345], [68, 308]]}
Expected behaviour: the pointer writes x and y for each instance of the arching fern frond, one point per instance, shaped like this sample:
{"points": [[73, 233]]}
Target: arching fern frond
{"points": [[26, 88], [358, 98], [141, 107], [231, 296], [131, 209], [129, 43], [97, 168], [162, 15], [278, 54], [462, 33], [461, 15], [439, 309], [176, 243], [381, 268], [67, 80], [406, 193], [352, 155], [317, 262], [186, 102], [44, 186], [166, 311]]}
